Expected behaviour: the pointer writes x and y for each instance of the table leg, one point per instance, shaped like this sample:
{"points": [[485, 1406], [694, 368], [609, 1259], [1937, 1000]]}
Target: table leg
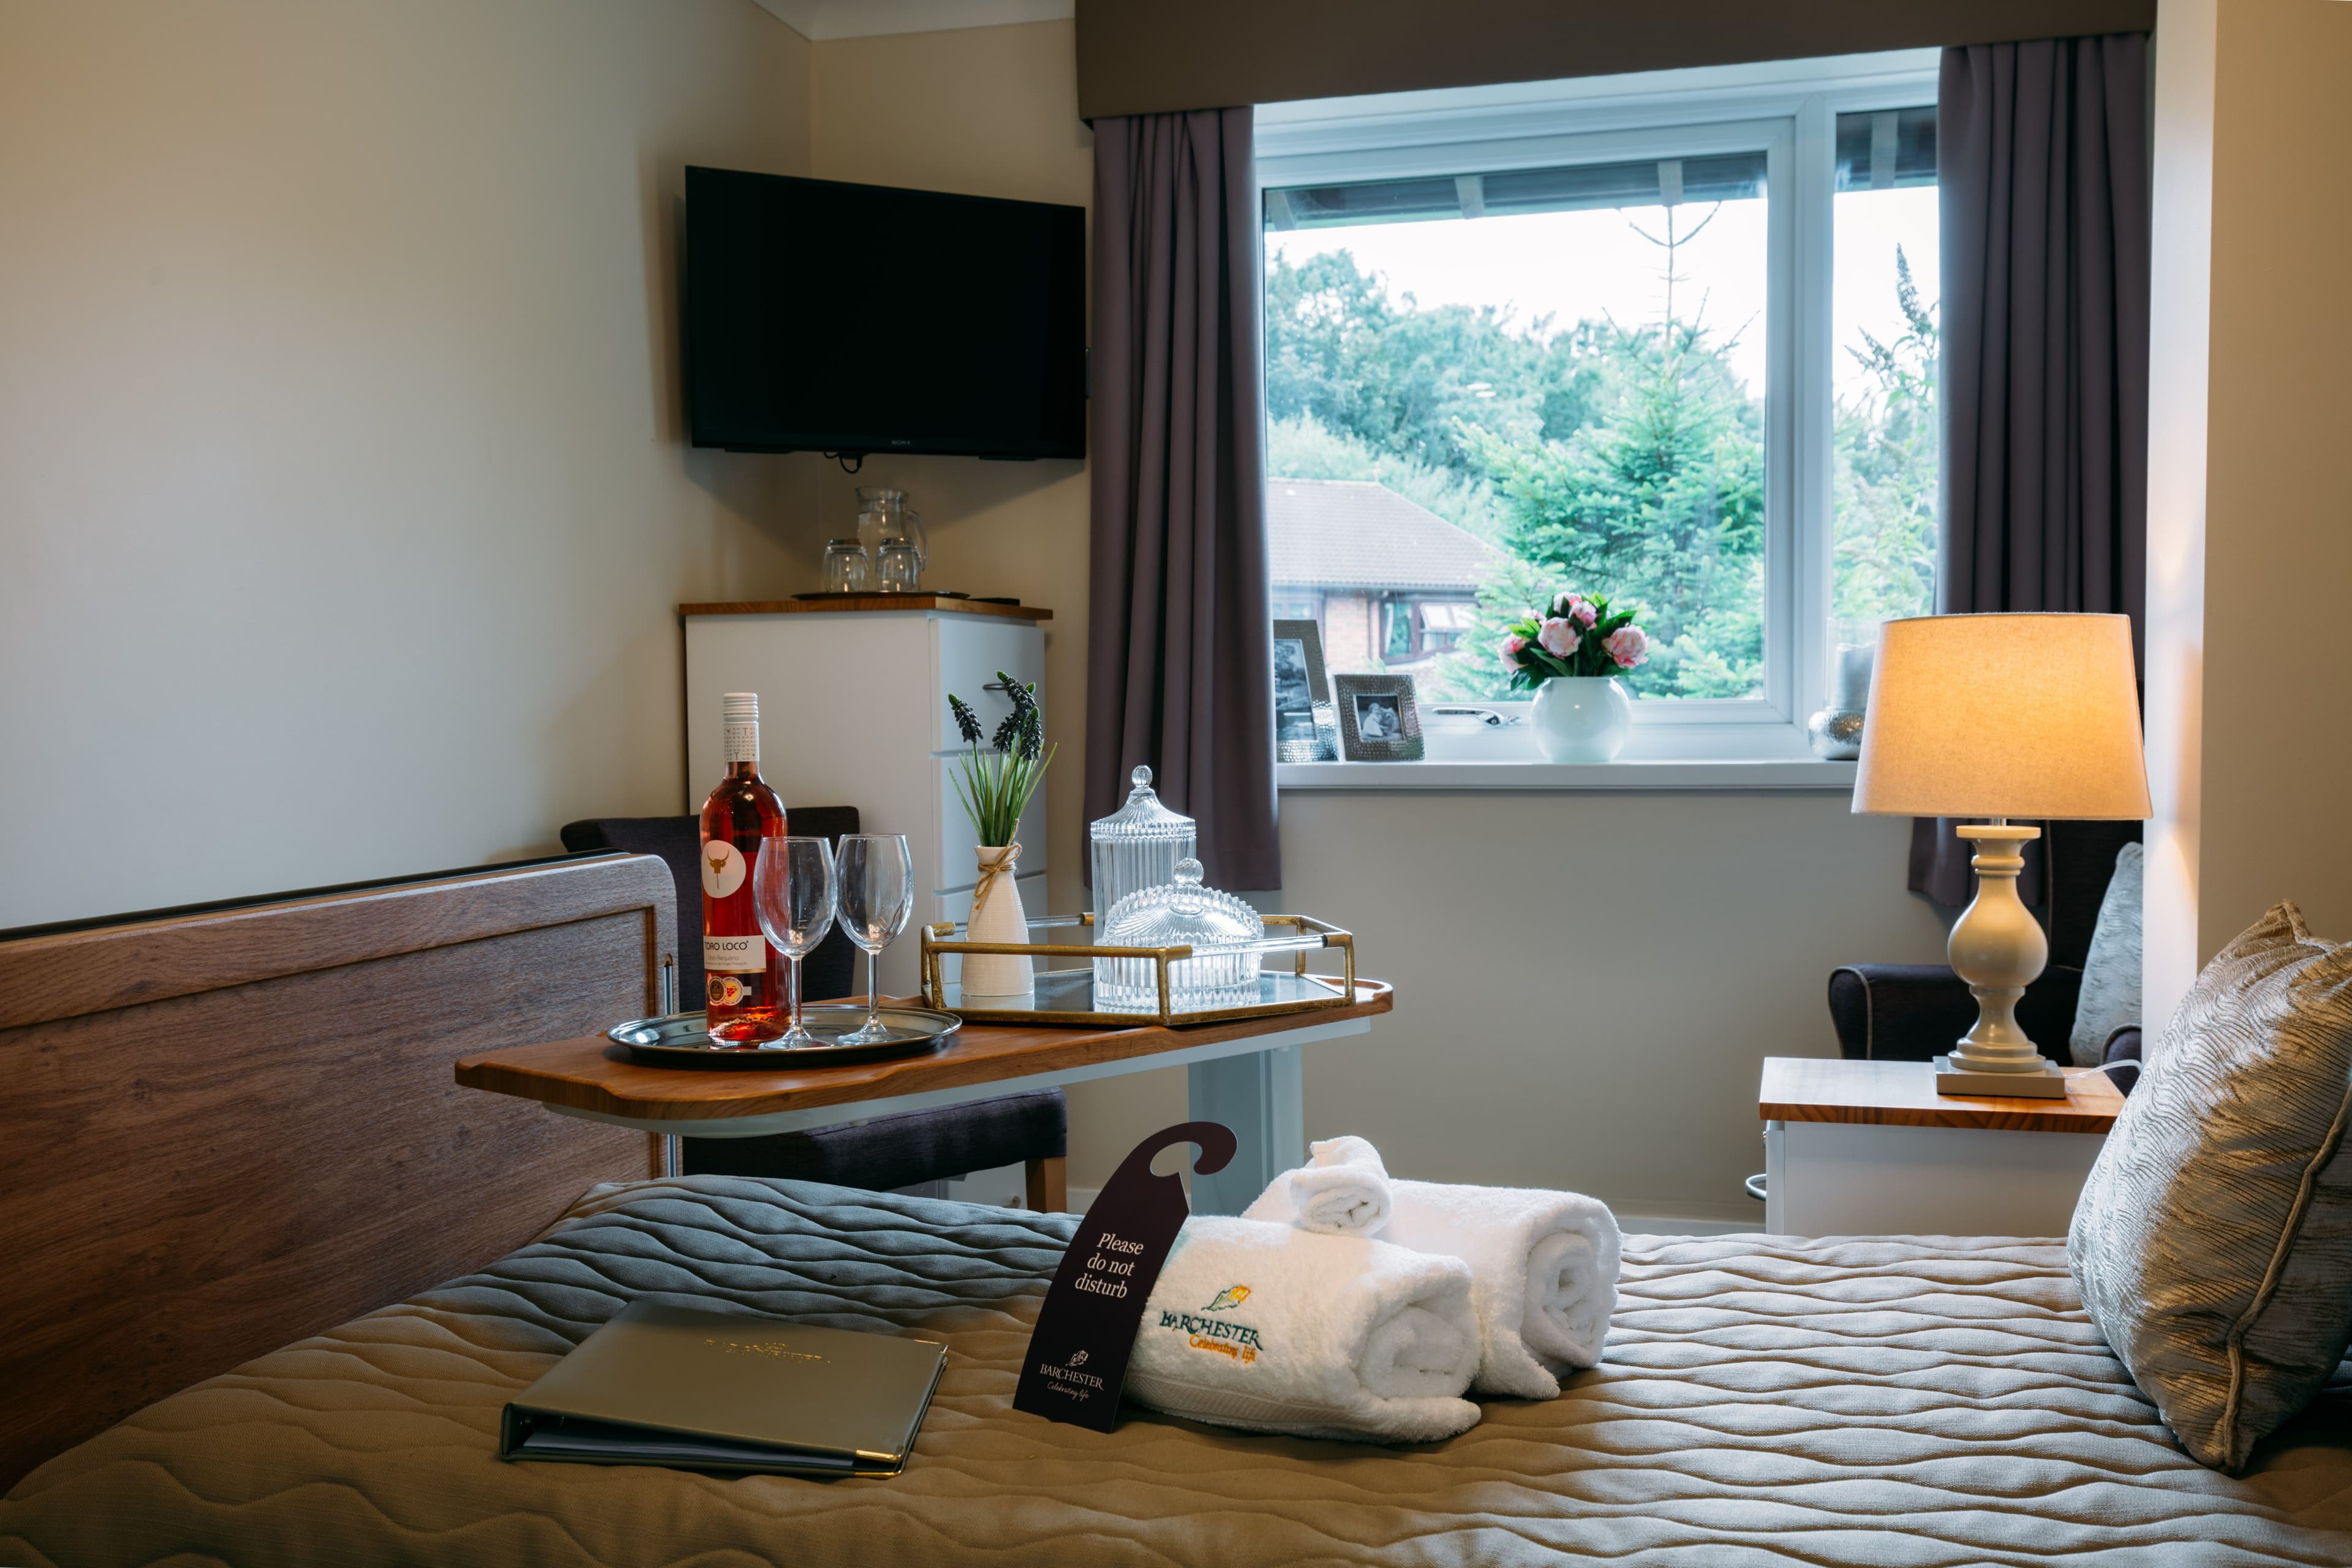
{"points": [[673, 1157], [1263, 1098]]}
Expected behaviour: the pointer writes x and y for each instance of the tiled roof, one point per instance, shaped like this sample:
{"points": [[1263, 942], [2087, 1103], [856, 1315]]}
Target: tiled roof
{"points": [[1355, 533]]}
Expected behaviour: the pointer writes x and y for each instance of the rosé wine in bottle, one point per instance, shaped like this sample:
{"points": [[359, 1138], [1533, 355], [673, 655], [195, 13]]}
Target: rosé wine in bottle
{"points": [[743, 975]]}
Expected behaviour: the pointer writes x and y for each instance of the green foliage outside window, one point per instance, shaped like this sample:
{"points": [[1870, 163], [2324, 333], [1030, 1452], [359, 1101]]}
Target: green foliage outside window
{"points": [[1626, 460]]}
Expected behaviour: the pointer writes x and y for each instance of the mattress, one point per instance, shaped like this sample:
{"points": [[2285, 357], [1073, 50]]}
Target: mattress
{"points": [[1883, 1402]]}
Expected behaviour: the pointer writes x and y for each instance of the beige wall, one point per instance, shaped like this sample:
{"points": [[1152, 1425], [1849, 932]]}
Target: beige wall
{"points": [[343, 497], [2250, 406], [990, 111]]}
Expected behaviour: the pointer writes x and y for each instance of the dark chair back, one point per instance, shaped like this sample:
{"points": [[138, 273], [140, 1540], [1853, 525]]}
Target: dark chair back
{"points": [[830, 970]]}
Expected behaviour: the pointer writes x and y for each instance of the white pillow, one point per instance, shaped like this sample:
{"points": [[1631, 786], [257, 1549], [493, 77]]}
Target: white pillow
{"points": [[2110, 995]]}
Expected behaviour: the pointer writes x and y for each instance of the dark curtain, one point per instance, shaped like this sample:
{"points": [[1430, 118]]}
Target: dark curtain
{"points": [[1180, 655], [2041, 155]]}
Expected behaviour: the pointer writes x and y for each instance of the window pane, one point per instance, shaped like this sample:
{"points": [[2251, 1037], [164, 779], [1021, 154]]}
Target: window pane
{"points": [[1887, 442], [1507, 382]]}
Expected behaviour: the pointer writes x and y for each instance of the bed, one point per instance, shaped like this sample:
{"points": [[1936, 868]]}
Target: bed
{"points": [[1910, 1401], [1887, 1402]]}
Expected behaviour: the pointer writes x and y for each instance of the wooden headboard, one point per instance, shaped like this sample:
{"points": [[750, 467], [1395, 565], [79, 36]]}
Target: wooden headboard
{"points": [[222, 1131]]}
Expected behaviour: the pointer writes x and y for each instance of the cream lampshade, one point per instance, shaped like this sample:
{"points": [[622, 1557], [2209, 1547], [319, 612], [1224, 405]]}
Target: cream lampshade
{"points": [[2000, 716]]}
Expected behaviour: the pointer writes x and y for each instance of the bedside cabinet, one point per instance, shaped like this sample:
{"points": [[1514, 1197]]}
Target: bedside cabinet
{"points": [[854, 711], [1869, 1148]]}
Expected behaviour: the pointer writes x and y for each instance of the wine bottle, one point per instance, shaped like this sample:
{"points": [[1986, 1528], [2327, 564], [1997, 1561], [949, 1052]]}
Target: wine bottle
{"points": [[744, 975]]}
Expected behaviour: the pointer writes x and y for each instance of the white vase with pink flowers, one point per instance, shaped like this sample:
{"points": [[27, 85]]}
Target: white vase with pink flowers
{"points": [[1571, 653]]}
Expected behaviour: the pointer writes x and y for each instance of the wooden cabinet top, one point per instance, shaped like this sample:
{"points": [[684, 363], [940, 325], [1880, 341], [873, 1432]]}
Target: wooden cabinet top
{"points": [[1903, 1094], [853, 602]]}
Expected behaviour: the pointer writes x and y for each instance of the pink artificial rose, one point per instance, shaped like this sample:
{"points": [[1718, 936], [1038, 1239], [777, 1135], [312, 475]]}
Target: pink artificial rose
{"points": [[1557, 637], [1512, 645], [1628, 646]]}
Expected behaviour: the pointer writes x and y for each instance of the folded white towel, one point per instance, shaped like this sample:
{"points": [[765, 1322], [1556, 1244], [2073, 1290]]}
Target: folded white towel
{"points": [[1343, 1191], [1274, 1329], [1545, 1265]]}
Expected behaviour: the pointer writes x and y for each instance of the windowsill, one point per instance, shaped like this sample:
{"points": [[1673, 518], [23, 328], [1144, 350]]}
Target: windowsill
{"points": [[1806, 775]]}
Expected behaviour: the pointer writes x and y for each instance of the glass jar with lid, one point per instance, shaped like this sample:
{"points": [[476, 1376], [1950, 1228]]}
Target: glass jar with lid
{"points": [[1221, 930], [1137, 846]]}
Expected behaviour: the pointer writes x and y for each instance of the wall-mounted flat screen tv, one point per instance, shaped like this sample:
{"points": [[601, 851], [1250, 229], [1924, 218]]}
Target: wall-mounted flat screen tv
{"points": [[823, 317]]}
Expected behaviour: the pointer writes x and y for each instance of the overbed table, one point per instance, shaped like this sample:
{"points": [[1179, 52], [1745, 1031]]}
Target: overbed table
{"points": [[1246, 1074]]}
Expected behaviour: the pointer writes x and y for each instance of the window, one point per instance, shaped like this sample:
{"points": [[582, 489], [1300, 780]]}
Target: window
{"points": [[1675, 346]]}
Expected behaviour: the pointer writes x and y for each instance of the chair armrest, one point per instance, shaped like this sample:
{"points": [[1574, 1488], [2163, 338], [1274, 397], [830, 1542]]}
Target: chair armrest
{"points": [[2123, 1047], [1899, 1012], [1916, 1012]]}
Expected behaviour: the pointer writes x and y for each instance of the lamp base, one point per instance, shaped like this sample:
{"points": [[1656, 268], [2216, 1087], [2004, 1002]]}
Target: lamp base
{"points": [[2049, 1083]]}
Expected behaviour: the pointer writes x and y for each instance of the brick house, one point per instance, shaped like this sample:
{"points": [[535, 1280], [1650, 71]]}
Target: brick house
{"points": [[1390, 584]]}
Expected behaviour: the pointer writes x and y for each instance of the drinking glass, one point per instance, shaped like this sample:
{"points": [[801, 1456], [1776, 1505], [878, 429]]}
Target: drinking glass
{"points": [[792, 889], [846, 567], [876, 879], [898, 568]]}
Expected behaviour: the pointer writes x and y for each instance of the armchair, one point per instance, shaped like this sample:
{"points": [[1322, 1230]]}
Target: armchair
{"points": [[1912, 1012]]}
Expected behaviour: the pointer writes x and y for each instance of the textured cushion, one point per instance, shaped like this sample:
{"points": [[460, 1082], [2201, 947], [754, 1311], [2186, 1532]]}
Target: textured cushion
{"points": [[2213, 1240], [2110, 995]]}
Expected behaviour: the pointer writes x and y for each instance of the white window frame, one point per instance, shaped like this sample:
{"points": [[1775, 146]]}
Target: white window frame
{"points": [[1790, 109]]}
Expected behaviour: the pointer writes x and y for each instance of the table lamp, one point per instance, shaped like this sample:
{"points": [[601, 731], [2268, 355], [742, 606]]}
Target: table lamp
{"points": [[1999, 716]]}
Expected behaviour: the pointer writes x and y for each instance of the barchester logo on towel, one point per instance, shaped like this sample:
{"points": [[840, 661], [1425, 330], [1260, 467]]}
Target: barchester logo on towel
{"points": [[1218, 1336]]}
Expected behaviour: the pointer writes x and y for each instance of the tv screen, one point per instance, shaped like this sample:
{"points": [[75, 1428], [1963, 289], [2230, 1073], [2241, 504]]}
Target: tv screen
{"points": [[855, 319]]}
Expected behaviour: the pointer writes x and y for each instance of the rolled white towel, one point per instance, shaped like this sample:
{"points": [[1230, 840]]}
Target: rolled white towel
{"points": [[1342, 1191], [1545, 1266], [1273, 1329]]}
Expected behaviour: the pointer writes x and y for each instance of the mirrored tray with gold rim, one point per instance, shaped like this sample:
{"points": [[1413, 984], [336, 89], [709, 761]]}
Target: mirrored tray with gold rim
{"points": [[1067, 996]]}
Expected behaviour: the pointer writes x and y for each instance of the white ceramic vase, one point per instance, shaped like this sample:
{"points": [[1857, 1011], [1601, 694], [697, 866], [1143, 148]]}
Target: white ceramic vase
{"points": [[1582, 718], [997, 916]]}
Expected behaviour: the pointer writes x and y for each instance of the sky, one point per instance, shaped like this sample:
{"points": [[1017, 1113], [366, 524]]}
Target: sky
{"points": [[1572, 265]]}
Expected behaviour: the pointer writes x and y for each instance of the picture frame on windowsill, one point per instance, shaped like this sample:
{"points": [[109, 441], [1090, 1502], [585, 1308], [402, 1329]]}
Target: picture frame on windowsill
{"points": [[1378, 719], [1305, 727]]}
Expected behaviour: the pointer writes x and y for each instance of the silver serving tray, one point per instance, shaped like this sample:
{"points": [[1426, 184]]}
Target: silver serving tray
{"points": [[683, 1039]]}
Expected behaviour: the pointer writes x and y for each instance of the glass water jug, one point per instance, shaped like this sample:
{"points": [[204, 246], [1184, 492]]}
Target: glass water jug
{"points": [[884, 522]]}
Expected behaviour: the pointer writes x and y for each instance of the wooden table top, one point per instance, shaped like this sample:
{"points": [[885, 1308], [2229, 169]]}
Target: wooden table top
{"points": [[591, 1073], [899, 602], [1903, 1094]]}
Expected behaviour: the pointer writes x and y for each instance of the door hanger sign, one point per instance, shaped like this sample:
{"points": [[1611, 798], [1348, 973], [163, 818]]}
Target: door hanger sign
{"points": [[1086, 1328]]}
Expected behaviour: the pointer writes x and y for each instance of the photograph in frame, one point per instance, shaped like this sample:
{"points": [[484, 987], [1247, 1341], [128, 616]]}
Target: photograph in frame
{"points": [[1379, 719], [1303, 727]]}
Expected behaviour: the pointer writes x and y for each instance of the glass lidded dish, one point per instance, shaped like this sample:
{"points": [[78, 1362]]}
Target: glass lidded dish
{"points": [[1137, 846], [1221, 930]]}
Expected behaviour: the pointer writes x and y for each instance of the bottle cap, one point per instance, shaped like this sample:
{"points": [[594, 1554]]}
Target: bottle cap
{"points": [[741, 707]]}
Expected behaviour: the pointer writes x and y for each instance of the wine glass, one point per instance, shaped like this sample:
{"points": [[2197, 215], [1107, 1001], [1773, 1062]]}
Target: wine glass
{"points": [[876, 879], [792, 890]]}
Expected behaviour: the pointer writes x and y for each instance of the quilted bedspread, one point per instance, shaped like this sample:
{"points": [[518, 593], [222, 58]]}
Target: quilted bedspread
{"points": [[1908, 1401]]}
